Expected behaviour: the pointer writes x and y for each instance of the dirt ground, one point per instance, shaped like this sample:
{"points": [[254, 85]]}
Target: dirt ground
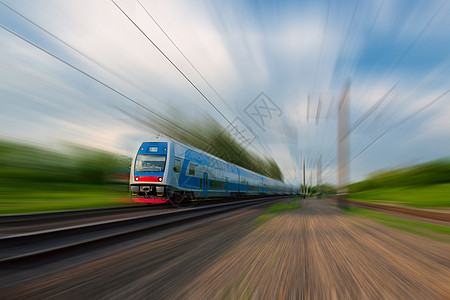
{"points": [[318, 253], [310, 253]]}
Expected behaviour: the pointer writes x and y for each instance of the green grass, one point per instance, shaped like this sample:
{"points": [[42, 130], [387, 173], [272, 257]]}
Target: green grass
{"points": [[274, 210], [433, 196], [280, 207], [58, 197], [415, 227]]}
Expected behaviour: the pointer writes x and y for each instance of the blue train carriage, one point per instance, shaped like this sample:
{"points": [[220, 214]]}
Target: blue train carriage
{"points": [[149, 172], [167, 170]]}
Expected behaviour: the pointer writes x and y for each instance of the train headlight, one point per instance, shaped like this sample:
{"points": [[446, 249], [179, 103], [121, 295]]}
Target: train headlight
{"points": [[160, 179], [159, 191], [136, 178]]}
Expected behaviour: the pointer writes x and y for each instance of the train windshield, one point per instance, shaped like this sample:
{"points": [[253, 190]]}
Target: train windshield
{"points": [[150, 163]]}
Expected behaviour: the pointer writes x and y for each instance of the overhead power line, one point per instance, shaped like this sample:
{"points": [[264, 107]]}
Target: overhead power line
{"points": [[99, 81], [195, 68], [92, 77], [400, 123], [412, 115], [179, 70], [185, 57], [105, 67], [96, 62]]}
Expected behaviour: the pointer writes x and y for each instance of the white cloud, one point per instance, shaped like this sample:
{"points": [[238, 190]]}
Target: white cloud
{"points": [[438, 127], [289, 56]]}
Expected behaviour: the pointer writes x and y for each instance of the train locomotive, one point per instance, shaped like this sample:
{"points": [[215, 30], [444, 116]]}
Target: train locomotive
{"points": [[166, 170]]}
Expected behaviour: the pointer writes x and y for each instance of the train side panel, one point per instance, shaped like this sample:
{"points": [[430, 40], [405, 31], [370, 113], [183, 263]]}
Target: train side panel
{"points": [[166, 168]]}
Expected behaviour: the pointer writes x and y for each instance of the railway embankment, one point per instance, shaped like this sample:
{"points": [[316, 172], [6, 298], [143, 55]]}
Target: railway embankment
{"points": [[319, 252], [293, 249], [433, 214]]}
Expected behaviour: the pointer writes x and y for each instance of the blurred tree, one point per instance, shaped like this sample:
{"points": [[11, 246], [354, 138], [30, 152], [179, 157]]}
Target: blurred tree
{"points": [[434, 172], [208, 135], [21, 163]]}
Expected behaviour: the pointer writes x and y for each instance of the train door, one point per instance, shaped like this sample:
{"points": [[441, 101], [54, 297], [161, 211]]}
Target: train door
{"points": [[205, 185], [260, 187], [239, 183], [226, 186], [246, 187]]}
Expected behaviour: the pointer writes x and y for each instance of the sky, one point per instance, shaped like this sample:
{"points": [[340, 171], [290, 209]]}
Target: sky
{"points": [[276, 71]]}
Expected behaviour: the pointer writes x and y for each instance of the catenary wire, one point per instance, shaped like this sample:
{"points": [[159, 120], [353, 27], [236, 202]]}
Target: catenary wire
{"points": [[179, 70]]}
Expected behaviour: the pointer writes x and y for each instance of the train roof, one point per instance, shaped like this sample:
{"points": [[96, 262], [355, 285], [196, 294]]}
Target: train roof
{"points": [[164, 138]]}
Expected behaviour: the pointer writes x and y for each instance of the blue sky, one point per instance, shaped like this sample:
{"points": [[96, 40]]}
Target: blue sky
{"points": [[290, 50]]}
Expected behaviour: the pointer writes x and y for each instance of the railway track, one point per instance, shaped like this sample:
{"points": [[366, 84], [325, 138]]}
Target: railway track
{"points": [[20, 250], [27, 223], [48, 217], [428, 214]]}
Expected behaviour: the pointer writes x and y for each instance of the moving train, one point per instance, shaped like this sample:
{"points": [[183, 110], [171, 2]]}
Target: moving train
{"points": [[166, 170]]}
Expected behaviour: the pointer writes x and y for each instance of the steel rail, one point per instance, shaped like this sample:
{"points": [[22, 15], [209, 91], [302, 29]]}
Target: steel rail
{"points": [[23, 247], [18, 220], [423, 213], [56, 216]]}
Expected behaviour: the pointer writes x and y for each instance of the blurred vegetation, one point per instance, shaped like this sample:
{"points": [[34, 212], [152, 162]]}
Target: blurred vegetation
{"points": [[434, 172], [206, 134], [433, 196], [26, 164], [327, 189], [38, 179], [274, 210], [425, 186], [433, 231], [324, 190]]}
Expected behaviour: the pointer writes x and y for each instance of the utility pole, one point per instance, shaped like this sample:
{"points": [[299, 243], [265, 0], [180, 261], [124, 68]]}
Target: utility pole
{"points": [[304, 183], [310, 183], [319, 176], [343, 146]]}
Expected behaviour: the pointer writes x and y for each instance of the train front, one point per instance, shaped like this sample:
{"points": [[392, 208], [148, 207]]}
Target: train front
{"points": [[148, 173]]}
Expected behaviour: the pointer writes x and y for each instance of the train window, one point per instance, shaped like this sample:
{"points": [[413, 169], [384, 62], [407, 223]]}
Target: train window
{"points": [[150, 163], [201, 182], [192, 169], [177, 166], [215, 185], [211, 184]]}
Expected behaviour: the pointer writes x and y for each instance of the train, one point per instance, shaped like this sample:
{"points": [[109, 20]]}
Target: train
{"points": [[166, 170]]}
